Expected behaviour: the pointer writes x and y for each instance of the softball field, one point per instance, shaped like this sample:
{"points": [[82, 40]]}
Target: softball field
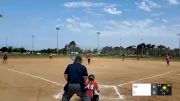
{"points": [[41, 79]]}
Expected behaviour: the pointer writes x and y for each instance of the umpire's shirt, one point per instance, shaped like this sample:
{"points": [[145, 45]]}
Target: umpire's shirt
{"points": [[76, 72]]}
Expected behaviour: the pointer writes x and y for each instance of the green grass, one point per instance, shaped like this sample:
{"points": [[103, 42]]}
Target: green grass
{"points": [[152, 58], [19, 56]]}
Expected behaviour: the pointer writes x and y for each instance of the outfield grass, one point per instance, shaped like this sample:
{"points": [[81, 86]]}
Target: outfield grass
{"points": [[152, 58]]}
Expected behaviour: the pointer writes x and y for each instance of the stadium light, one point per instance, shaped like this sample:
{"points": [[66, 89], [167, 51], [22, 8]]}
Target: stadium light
{"points": [[142, 47], [33, 44], [120, 45], [57, 28], [98, 33], [179, 43]]}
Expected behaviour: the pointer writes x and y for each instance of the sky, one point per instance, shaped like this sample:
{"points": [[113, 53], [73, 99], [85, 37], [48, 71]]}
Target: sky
{"points": [[120, 22]]}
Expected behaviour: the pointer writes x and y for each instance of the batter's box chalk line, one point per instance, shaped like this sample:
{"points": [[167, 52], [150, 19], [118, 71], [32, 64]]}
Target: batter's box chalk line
{"points": [[101, 86], [59, 95]]}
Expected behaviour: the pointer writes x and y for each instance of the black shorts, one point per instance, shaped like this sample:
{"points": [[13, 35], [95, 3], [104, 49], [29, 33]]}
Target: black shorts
{"points": [[5, 58]]}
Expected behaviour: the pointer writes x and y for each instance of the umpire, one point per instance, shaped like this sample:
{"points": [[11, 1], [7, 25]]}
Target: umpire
{"points": [[76, 76]]}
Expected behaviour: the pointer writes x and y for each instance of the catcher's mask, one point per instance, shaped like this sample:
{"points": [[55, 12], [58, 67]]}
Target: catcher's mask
{"points": [[91, 77]]}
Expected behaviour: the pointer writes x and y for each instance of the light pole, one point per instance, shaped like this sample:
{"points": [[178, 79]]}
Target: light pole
{"points": [[120, 46], [6, 43], [179, 43], [33, 44], [142, 46], [57, 28], [98, 33]]}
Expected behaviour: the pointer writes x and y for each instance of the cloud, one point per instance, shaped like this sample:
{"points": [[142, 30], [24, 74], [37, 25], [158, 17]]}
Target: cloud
{"points": [[136, 29], [157, 14], [92, 13], [90, 6], [85, 25], [112, 10], [173, 2], [141, 24], [132, 30], [75, 24], [164, 20], [82, 4], [147, 5]]}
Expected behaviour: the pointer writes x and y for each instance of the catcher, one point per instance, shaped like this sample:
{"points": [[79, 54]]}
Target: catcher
{"points": [[92, 88]]}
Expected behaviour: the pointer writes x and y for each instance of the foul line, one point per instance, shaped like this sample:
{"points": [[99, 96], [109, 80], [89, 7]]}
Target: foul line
{"points": [[34, 76], [60, 93], [146, 78]]}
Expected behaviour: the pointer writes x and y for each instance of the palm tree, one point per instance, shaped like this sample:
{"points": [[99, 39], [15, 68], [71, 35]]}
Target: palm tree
{"points": [[152, 49], [148, 47], [161, 48], [140, 48]]}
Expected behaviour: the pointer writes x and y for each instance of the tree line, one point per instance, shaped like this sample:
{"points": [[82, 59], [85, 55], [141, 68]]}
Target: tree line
{"points": [[140, 49], [11, 49], [73, 48]]}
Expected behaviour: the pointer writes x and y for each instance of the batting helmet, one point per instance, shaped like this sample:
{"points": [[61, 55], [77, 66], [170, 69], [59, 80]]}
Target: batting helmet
{"points": [[91, 77]]}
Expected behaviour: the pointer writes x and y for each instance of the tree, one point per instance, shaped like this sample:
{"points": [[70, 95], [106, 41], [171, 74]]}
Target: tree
{"points": [[148, 47], [108, 50], [131, 49], [72, 43], [95, 51], [152, 49], [10, 49], [64, 50], [22, 49], [161, 48], [140, 48], [72, 48], [49, 50], [4, 49]]}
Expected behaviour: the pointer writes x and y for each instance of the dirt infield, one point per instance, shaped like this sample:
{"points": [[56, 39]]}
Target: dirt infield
{"points": [[41, 79]]}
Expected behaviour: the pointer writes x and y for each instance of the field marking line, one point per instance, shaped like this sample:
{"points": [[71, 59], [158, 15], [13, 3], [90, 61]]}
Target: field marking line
{"points": [[120, 96], [58, 95], [110, 98], [34, 76], [147, 78], [106, 86]]}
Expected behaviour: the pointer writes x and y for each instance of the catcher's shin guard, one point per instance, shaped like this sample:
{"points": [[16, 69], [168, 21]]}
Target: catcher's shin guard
{"points": [[95, 95], [95, 98]]}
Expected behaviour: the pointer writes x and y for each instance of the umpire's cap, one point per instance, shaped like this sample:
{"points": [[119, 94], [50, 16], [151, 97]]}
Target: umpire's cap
{"points": [[91, 77], [78, 59]]}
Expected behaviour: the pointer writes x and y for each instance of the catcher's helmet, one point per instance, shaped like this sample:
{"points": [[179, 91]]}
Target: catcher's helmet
{"points": [[91, 77]]}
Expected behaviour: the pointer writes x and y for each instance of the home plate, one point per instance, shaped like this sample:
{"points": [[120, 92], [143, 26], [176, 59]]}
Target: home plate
{"points": [[58, 95]]}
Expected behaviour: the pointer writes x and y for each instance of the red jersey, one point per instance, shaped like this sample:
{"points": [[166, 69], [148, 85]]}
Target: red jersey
{"points": [[88, 56], [91, 87], [168, 58]]}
